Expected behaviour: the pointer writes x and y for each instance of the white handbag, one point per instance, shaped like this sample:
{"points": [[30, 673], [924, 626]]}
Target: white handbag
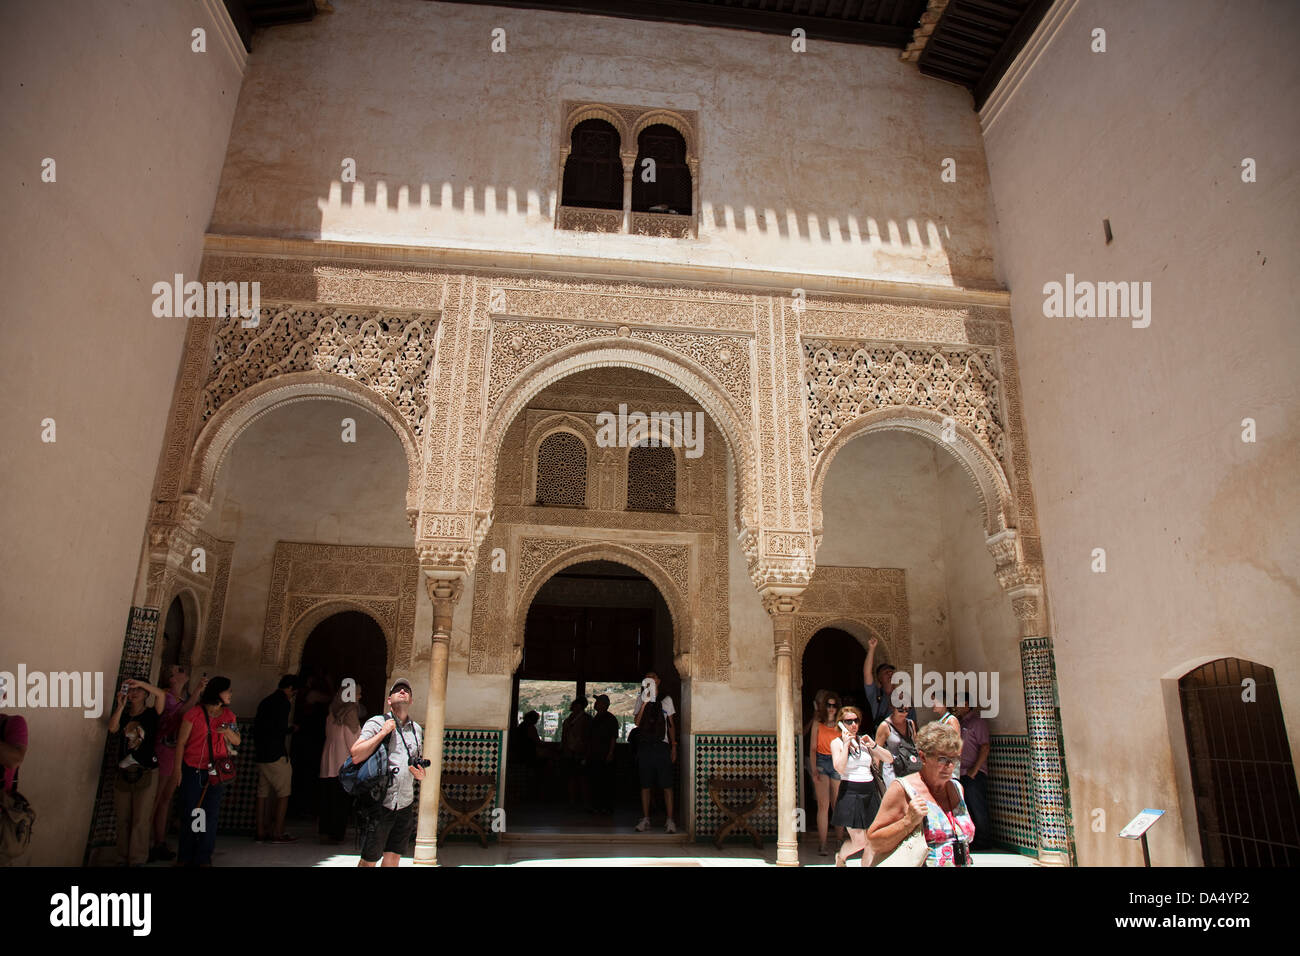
{"points": [[912, 849]]}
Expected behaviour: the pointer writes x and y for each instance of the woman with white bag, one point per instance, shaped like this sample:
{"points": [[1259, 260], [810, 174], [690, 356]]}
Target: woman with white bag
{"points": [[923, 819]]}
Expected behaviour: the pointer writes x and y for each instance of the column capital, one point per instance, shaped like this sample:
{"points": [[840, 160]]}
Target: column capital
{"points": [[779, 601]]}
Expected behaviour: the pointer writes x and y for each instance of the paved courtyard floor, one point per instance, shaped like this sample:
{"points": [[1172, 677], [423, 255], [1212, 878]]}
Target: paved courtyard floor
{"points": [[545, 849]]}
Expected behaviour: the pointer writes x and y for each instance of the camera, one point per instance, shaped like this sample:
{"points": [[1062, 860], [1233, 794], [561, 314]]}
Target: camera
{"points": [[960, 853], [417, 762]]}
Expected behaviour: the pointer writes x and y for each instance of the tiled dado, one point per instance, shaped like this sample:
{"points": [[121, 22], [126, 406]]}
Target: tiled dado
{"points": [[734, 756]]}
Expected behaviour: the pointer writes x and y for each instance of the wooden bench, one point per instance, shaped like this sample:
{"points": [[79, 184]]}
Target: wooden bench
{"points": [[721, 789], [465, 810]]}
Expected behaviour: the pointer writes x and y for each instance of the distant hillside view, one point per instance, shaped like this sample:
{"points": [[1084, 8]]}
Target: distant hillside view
{"points": [[552, 699]]}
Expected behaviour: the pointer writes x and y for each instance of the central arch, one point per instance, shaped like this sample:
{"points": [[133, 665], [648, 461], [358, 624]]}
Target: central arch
{"points": [[643, 356], [599, 551]]}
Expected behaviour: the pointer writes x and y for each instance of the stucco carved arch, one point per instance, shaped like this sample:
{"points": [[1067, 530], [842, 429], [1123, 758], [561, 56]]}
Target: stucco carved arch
{"points": [[327, 607], [976, 460], [595, 111], [860, 629], [643, 356], [667, 118], [620, 554], [220, 433], [191, 636], [544, 429]]}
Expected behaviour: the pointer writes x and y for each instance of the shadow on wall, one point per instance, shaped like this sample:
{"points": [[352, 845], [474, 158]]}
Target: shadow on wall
{"points": [[842, 224]]}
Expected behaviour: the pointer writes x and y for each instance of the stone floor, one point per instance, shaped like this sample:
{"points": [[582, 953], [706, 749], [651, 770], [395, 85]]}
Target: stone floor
{"points": [[545, 849]]}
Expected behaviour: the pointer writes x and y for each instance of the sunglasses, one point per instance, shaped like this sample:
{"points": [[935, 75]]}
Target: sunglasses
{"points": [[831, 703], [850, 720], [946, 761]]}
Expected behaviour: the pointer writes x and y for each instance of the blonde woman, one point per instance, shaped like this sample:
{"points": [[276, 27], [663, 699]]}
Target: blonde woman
{"points": [[822, 730], [930, 796]]}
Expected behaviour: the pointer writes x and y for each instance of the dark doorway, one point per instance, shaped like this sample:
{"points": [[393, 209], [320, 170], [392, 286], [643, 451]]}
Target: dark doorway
{"points": [[175, 650], [347, 644], [833, 660], [1247, 805], [594, 628]]}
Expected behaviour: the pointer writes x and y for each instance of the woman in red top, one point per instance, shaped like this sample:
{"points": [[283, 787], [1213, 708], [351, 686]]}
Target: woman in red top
{"points": [[825, 779], [206, 731]]}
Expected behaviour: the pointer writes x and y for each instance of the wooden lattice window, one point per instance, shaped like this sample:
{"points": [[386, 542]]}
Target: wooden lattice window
{"points": [[670, 192], [562, 471], [651, 479], [593, 172]]}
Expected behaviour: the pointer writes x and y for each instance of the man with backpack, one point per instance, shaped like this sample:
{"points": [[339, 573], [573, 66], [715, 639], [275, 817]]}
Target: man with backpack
{"points": [[656, 748], [387, 826]]}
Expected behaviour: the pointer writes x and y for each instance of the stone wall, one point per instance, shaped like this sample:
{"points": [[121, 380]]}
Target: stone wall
{"points": [[1137, 432], [137, 125], [458, 147]]}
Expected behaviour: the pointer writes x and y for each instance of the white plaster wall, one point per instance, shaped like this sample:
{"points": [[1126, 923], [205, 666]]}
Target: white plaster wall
{"points": [[290, 477], [826, 162], [880, 510], [1135, 434], [984, 631], [137, 126]]}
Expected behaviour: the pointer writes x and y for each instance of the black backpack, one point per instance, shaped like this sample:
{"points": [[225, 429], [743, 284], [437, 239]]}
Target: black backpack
{"points": [[907, 760], [652, 725]]}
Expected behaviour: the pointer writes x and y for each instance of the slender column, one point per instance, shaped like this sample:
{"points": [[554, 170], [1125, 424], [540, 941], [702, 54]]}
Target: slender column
{"points": [[782, 604], [444, 592], [629, 169]]}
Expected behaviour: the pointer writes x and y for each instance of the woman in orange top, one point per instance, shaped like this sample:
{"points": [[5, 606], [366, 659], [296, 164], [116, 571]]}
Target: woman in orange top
{"points": [[822, 730]]}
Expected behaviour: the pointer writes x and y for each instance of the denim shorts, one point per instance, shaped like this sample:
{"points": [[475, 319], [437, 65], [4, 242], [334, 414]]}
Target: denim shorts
{"points": [[827, 766]]}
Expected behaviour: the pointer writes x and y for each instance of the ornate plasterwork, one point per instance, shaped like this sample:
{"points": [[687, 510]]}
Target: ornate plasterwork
{"points": [[637, 352], [516, 345], [850, 378], [309, 582], [866, 602], [744, 364], [683, 554], [387, 351], [209, 588], [501, 601], [581, 219]]}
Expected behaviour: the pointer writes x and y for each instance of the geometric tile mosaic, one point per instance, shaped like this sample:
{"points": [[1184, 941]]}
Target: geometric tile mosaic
{"points": [[468, 751], [1011, 793], [734, 757]]}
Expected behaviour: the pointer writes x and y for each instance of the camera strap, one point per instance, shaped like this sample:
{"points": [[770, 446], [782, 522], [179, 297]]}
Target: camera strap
{"points": [[402, 734]]}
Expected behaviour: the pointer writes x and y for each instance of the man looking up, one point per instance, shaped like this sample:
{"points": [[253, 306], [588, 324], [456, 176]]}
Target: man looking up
{"points": [[388, 828]]}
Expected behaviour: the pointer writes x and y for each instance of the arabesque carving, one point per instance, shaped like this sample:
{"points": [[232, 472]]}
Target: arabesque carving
{"points": [[322, 579], [848, 379], [386, 351]]}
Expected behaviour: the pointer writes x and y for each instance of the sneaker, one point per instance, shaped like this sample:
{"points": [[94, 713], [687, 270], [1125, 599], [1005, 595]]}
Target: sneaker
{"points": [[284, 838], [644, 825], [670, 827]]}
